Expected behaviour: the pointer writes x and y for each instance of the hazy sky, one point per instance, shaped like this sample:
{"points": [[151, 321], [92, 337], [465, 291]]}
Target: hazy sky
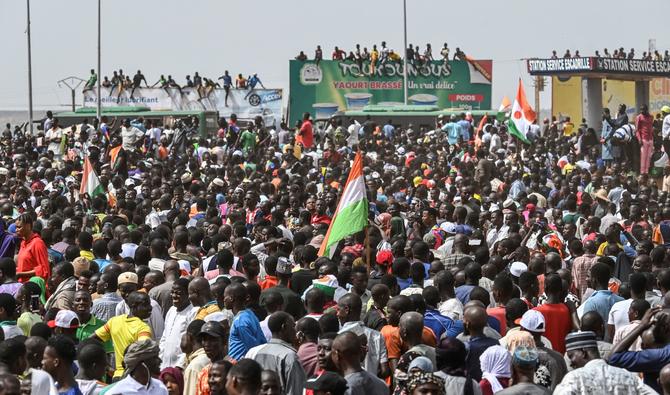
{"points": [[179, 37]]}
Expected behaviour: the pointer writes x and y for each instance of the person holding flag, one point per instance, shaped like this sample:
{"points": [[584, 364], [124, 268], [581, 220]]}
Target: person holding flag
{"points": [[351, 215]]}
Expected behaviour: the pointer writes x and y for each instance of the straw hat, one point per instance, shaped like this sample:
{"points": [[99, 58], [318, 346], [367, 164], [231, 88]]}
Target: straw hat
{"points": [[602, 195]]}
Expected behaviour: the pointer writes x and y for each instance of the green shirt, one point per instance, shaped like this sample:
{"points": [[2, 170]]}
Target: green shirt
{"points": [[86, 330], [248, 140]]}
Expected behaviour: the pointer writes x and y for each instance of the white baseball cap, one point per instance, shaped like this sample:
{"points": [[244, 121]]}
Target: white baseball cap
{"points": [[65, 319], [533, 321], [517, 268]]}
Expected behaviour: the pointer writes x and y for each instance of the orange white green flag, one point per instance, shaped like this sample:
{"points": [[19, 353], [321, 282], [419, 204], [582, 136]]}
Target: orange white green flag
{"points": [[522, 115], [351, 215], [90, 183]]}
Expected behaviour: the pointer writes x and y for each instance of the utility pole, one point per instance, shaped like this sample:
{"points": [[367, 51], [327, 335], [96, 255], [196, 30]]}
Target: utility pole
{"points": [[539, 87], [404, 15], [98, 112], [30, 73], [72, 83]]}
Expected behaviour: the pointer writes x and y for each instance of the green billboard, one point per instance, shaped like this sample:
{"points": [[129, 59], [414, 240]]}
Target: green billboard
{"points": [[334, 86]]}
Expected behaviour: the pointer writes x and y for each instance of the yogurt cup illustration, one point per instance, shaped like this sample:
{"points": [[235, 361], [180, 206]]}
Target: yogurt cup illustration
{"points": [[324, 110], [423, 99], [356, 101]]}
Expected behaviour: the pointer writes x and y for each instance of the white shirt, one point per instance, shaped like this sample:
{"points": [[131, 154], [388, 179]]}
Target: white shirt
{"points": [[41, 382], [452, 308], [155, 321], [54, 146], [156, 264], [176, 323], [130, 136], [665, 129], [618, 315], [129, 386]]}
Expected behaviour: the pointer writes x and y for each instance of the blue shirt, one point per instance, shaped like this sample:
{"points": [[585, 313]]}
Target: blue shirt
{"points": [[102, 263], [245, 333], [227, 80], [601, 301], [388, 130], [465, 129], [404, 283], [463, 293], [251, 82], [440, 325], [649, 361], [453, 131]]}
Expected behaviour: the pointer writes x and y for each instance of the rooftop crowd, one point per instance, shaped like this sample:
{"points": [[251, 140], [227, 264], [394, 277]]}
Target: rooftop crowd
{"points": [[489, 266], [619, 53]]}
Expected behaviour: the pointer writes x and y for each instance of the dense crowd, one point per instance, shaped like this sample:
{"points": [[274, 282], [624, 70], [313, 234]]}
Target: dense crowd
{"points": [[145, 259], [619, 53]]}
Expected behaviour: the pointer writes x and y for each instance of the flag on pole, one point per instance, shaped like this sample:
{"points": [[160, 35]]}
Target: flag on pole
{"points": [[505, 105], [522, 115], [89, 182], [351, 215], [113, 154]]}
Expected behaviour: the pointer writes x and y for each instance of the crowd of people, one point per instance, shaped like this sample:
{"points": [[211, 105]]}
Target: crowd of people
{"points": [[202, 85], [382, 55], [619, 53], [145, 259]]}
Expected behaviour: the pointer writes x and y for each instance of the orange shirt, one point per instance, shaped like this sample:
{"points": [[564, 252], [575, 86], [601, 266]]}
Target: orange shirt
{"points": [[394, 346], [269, 282], [202, 385]]}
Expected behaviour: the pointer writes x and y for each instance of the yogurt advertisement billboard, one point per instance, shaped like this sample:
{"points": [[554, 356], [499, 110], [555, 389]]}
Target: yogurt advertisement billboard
{"points": [[333, 86]]}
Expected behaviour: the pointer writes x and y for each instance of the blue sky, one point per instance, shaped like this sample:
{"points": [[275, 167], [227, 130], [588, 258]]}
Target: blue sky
{"points": [[179, 37]]}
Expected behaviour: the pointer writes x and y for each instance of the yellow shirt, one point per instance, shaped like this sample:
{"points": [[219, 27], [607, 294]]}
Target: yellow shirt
{"points": [[87, 254], [123, 331], [206, 310], [568, 129], [601, 248]]}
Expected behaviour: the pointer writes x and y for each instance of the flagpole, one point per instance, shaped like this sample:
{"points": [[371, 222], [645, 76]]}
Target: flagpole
{"points": [[368, 251]]}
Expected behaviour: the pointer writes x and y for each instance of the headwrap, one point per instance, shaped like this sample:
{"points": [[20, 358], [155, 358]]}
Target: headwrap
{"points": [[139, 352], [495, 362], [423, 364], [519, 338], [176, 374], [43, 288], [421, 378]]}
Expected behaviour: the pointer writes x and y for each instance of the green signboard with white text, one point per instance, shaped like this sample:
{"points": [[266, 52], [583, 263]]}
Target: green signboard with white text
{"points": [[334, 86]]}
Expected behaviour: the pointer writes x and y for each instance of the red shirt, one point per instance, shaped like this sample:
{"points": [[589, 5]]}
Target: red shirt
{"points": [[320, 219], [557, 324], [644, 125], [269, 282], [33, 255], [305, 135], [499, 314]]}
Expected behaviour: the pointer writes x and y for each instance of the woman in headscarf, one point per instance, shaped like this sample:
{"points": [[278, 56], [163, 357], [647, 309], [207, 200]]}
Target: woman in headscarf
{"points": [[450, 355], [496, 364], [173, 380], [43, 288]]}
